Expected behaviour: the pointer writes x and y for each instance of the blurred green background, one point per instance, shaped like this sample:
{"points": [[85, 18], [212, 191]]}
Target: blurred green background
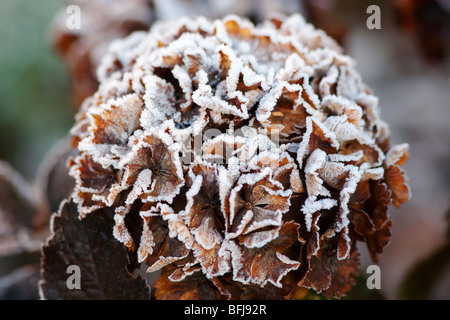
{"points": [[34, 92]]}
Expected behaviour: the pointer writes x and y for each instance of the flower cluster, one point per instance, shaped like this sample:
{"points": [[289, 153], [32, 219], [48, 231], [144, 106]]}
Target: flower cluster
{"points": [[299, 169]]}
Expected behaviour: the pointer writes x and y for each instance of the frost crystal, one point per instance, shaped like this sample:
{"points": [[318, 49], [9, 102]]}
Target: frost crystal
{"points": [[239, 158]]}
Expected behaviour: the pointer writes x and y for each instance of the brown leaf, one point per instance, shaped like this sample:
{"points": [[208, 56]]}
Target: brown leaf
{"points": [[90, 245]]}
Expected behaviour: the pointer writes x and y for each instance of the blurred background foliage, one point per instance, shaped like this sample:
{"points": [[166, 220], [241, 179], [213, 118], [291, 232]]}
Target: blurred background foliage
{"points": [[34, 91]]}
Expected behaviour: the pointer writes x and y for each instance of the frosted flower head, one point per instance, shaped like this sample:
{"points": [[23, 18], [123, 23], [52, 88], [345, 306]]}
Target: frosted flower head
{"points": [[251, 158]]}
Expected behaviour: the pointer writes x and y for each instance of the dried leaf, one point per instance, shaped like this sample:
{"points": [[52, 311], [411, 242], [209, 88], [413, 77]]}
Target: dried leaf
{"points": [[88, 244]]}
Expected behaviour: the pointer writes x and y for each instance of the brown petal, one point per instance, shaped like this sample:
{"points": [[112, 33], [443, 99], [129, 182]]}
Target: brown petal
{"points": [[396, 180], [154, 167], [269, 264], [378, 240], [203, 210], [288, 119], [259, 202], [112, 123], [371, 153], [161, 249], [329, 276], [260, 266], [377, 205], [361, 222], [343, 277], [194, 287], [213, 261], [319, 140], [96, 186]]}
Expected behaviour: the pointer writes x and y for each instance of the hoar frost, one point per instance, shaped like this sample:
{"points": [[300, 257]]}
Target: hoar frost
{"points": [[298, 169]]}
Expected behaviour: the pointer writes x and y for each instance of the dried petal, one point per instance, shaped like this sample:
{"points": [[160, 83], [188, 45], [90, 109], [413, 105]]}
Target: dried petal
{"points": [[329, 276], [154, 168], [396, 180], [194, 287]]}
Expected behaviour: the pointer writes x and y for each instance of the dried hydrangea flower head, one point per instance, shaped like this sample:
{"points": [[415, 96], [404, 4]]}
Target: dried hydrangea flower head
{"points": [[243, 161]]}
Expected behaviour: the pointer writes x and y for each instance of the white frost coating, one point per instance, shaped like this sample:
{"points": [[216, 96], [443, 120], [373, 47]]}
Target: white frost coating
{"points": [[293, 266], [127, 109], [147, 181], [342, 106], [260, 239], [120, 231], [314, 184], [328, 81], [372, 173], [354, 176], [343, 129], [269, 101], [304, 148], [312, 206], [146, 245], [236, 260], [397, 155]]}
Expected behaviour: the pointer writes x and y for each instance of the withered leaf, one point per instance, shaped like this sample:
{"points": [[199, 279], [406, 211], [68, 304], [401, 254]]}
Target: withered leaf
{"points": [[90, 245]]}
